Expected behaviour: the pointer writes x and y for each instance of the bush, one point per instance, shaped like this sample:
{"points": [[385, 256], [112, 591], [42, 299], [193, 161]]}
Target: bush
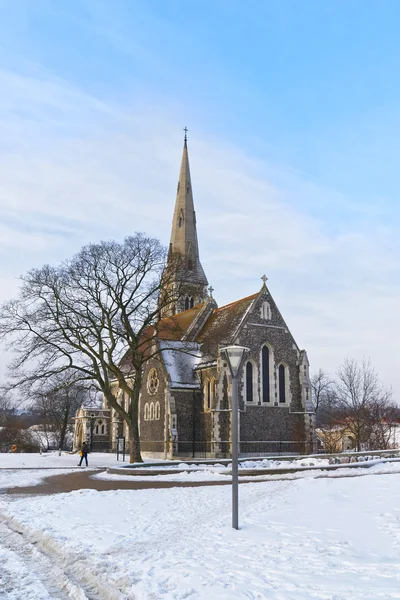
{"points": [[22, 438]]}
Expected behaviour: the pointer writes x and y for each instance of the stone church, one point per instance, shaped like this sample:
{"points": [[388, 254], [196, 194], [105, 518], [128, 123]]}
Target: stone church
{"points": [[185, 401]]}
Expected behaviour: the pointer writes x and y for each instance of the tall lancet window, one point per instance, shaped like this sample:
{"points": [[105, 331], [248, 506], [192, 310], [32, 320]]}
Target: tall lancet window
{"points": [[180, 222], [282, 383], [249, 382], [265, 374]]}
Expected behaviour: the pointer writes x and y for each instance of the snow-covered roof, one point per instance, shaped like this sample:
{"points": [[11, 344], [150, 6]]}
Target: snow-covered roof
{"points": [[180, 359]]}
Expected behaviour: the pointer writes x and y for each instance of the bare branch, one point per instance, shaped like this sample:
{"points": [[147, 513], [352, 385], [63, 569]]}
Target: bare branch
{"points": [[90, 318]]}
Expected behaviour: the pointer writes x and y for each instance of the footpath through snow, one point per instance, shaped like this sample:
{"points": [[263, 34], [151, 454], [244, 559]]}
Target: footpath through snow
{"points": [[325, 539]]}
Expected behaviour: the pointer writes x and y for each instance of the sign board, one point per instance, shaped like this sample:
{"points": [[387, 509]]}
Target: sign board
{"points": [[121, 447]]}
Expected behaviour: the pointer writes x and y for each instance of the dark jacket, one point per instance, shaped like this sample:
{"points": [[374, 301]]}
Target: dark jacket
{"points": [[84, 450]]}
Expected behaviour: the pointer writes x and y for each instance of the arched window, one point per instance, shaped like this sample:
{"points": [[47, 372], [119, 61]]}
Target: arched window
{"points": [[265, 311], [265, 374], [191, 302], [180, 223], [282, 383], [249, 382], [186, 302], [151, 416], [146, 412], [207, 394], [190, 264], [100, 427], [157, 411]]}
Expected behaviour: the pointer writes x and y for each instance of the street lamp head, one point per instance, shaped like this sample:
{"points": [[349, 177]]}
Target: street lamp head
{"points": [[234, 355]]}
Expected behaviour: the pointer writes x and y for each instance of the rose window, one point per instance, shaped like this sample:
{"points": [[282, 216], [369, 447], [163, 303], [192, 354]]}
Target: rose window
{"points": [[152, 381]]}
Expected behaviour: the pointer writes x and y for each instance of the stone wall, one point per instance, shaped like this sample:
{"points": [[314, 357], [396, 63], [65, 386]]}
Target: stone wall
{"points": [[152, 428]]}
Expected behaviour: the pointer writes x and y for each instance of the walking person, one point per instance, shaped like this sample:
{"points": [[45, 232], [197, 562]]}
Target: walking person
{"points": [[83, 453]]}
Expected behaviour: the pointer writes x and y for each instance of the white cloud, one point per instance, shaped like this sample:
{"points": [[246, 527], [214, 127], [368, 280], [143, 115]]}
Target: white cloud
{"points": [[75, 169]]}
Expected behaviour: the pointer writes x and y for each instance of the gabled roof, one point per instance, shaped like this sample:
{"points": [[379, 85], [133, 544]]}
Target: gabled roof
{"points": [[173, 328], [221, 327], [170, 328], [223, 324]]}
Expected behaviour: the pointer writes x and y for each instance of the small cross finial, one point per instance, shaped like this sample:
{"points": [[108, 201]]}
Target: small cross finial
{"points": [[210, 290], [265, 279], [185, 129]]}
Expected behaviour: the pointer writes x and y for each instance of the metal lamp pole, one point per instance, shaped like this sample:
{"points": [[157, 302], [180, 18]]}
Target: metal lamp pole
{"points": [[235, 453], [234, 356], [91, 432]]}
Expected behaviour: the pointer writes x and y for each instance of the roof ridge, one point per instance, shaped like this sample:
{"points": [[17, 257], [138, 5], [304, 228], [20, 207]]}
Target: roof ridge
{"points": [[236, 301], [182, 312]]}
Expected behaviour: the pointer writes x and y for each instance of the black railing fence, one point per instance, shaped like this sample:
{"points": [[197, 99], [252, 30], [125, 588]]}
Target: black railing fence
{"points": [[222, 449], [99, 445]]}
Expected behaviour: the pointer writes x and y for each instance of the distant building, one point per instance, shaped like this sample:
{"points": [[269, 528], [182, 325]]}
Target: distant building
{"points": [[185, 398]]}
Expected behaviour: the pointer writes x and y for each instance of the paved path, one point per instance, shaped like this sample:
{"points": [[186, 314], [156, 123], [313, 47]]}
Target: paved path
{"points": [[58, 484]]}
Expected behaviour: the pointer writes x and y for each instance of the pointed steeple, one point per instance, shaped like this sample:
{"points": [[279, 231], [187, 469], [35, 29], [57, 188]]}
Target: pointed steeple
{"points": [[184, 232], [184, 239]]}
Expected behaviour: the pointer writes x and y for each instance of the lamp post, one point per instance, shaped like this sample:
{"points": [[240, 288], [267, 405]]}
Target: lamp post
{"points": [[91, 431], [234, 357]]}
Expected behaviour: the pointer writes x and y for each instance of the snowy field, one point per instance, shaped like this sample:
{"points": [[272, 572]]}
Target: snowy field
{"points": [[22, 470], [52, 460], [103, 460], [21, 477], [325, 539]]}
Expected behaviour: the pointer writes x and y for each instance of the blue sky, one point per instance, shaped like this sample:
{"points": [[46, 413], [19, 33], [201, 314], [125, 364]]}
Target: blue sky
{"points": [[294, 137]]}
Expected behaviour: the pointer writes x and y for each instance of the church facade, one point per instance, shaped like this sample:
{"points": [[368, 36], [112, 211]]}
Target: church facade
{"points": [[185, 406]]}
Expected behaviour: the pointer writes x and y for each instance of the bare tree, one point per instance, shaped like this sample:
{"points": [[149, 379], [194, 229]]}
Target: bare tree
{"points": [[321, 387], [89, 313], [56, 401], [359, 394], [381, 423], [329, 418], [332, 438], [7, 410]]}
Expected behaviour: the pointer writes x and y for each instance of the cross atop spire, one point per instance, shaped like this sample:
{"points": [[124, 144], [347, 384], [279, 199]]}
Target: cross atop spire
{"points": [[185, 129], [264, 279]]}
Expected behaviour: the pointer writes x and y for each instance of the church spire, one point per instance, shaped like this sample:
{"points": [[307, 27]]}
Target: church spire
{"points": [[184, 239]]}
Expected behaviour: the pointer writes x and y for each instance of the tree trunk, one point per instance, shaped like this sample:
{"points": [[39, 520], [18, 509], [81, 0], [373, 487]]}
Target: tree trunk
{"points": [[134, 439], [134, 445], [64, 429]]}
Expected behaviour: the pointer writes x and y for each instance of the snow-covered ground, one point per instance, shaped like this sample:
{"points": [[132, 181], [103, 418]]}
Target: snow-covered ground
{"points": [[266, 463], [104, 460], [53, 460], [24, 478], [22, 470], [188, 475], [378, 466], [325, 539]]}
